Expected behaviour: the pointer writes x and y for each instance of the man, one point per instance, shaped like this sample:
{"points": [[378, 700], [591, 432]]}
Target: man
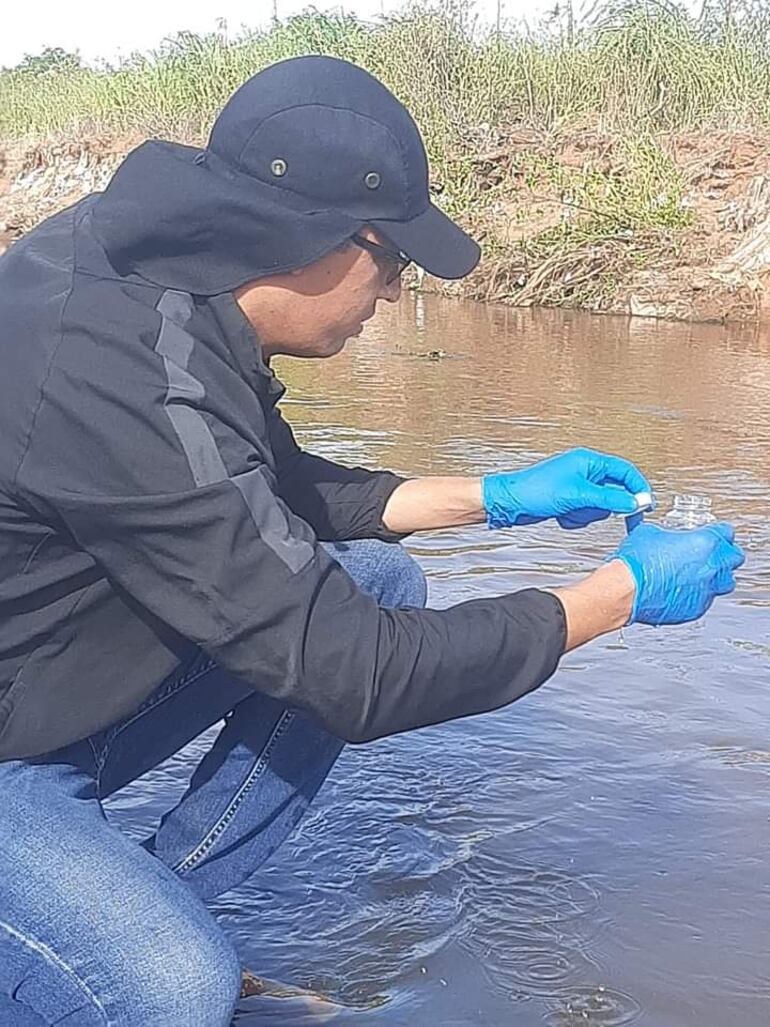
{"points": [[160, 562]]}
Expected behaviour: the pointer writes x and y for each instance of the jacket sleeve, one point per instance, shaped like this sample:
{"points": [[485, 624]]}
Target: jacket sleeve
{"points": [[183, 517], [340, 503]]}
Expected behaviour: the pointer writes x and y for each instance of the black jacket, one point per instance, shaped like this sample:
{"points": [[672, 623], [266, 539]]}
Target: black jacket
{"points": [[152, 499]]}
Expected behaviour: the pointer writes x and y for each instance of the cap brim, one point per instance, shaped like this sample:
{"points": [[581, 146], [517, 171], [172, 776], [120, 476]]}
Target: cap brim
{"points": [[435, 242]]}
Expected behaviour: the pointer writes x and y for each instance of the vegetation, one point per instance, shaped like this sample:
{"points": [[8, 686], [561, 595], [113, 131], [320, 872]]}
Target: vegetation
{"points": [[635, 72]]}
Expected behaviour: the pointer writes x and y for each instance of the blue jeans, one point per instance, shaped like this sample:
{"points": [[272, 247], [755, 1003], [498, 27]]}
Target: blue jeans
{"points": [[96, 929]]}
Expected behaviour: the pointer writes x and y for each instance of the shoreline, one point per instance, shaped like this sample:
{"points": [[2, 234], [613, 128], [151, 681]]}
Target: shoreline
{"points": [[712, 267]]}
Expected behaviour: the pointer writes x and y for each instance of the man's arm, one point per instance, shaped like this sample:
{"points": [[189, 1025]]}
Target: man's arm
{"points": [[342, 503], [339, 503], [420, 504], [595, 605], [575, 488]]}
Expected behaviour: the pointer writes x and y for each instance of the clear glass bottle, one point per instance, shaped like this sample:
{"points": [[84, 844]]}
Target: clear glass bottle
{"points": [[689, 512]]}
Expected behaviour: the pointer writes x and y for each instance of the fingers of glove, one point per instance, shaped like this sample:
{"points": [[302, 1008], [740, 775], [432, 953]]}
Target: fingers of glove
{"points": [[611, 498], [730, 556], [580, 518], [738, 556], [727, 531], [724, 582], [727, 551], [622, 472], [707, 605]]}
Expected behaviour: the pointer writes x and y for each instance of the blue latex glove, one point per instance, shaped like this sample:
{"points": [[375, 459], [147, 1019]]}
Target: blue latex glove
{"points": [[576, 488], [678, 574]]}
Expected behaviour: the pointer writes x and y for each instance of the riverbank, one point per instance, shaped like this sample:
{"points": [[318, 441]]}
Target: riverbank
{"points": [[715, 267], [611, 171]]}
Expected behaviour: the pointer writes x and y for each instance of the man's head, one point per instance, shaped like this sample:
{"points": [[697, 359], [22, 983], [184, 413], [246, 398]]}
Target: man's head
{"points": [[328, 132]]}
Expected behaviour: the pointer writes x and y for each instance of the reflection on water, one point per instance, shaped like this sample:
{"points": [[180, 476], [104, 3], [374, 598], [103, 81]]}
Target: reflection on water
{"points": [[595, 854]]}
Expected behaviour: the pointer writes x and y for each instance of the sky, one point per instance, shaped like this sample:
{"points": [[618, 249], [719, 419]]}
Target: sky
{"points": [[107, 30]]}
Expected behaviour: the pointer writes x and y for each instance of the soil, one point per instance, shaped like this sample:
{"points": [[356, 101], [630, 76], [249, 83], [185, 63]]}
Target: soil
{"points": [[717, 269]]}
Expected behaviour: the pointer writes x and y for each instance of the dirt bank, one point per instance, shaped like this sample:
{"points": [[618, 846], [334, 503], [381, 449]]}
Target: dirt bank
{"points": [[711, 264]]}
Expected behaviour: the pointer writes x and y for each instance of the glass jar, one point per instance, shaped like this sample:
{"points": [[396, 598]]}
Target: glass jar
{"points": [[689, 512]]}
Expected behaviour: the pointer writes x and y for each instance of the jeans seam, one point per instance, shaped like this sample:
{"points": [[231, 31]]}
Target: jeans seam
{"points": [[47, 954], [215, 833], [98, 760], [168, 693]]}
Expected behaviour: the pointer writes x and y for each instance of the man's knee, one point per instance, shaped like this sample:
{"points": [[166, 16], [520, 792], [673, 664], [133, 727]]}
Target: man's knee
{"points": [[403, 580], [171, 972], [384, 570], [188, 977]]}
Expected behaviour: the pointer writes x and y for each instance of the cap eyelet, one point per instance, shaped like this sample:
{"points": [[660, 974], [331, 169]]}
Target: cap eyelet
{"points": [[279, 167], [373, 180]]}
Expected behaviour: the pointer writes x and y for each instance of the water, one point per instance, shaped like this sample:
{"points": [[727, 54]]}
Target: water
{"points": [[598, 852]]}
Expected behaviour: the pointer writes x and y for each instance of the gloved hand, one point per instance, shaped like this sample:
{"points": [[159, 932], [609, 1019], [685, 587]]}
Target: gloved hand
{"points": [[679, 573], [576, 488]]}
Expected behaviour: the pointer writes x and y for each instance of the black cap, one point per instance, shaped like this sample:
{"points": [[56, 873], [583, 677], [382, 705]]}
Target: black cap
{"points": [[329, 134]]}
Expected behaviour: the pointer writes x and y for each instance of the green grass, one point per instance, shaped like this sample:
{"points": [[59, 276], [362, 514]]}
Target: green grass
{"points": [[643, 70], [647, 71]]}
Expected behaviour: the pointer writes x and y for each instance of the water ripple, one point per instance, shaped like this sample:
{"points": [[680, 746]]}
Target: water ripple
{"points": [[601, 1007]]}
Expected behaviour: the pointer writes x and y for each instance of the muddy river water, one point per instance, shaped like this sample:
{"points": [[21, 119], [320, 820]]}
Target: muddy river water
{"points": [[598, 853]]}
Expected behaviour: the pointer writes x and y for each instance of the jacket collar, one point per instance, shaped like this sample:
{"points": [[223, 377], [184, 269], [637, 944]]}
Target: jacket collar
{"points": [[245, 347]]}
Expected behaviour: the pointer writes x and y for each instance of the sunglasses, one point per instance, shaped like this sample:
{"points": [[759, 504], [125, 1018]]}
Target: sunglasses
{"points": [[393, 261]]}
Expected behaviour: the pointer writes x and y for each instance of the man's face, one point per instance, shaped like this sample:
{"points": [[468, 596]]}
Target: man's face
{"points": [[313, 311]]}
